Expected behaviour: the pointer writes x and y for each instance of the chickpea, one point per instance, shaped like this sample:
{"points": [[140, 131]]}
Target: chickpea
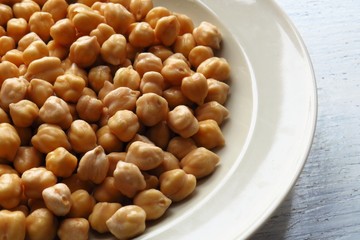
{"points": [[175, 70], [142, 35], [39, 90], [61, 162], [74, 8], [41, 224], [108, 87], [27, 158], [152, 82], [199, 54], [128, 179], [4, 168], [122, 98], [35, 180], [124, 124], [151, 109], [12, 90], [14, 56], [49, 137], [25, 135], [195, 88], [177, 184], [57, 50], [212, 110], [69, 87], [81, 136], [108, 140], [184, 44], [88, 3], [23, 113], [10, 190], [12, 225], [40, 23], [127, 77], [26, 40], [8, 70], [4, 118], [175, 97], [25, 9], [214, 67], [86, 20], [6, 14], [98, 75], [63, 31], [209, 135], [217, 91], [56, 111], [102, 211], [182, 121], [161, 52], [107, 192], [180, 146], [208, 35], [113, 50], [75, 183], [93, 165], [17, 28], [6, 44], [144, 155], [167, 30], [177, 56], [146, 62], [118, 17], [82, 204], [139, 137], [9, 142], [200, 162], [84, 51], [74, 228], [57, 9], [74, 69], [114, 158], [89, 108], [57, 199], [153, 202], [186, 24], [170, 162], [155, 14], [127, 222], [102, 33], [159, 134], [46, 68], [139, 8]]}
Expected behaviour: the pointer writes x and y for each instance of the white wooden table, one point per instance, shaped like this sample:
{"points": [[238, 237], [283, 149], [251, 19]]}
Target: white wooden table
{"points": [[325, 202]]}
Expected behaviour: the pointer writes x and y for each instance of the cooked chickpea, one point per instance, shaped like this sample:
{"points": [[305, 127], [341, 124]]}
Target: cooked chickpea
{"points": [[175, 97], [41, 224], [107, 87], [57, 50], [26, 40], [180, 146], [57, 9], [155, 14], [182, 121], [46, 68], [74, 8], [14, 56], [61, 162], [93, 165], [25, 135], [176, 184], [4, 118], [75, 183], [138, 137], [39, 90], [113, 50], [23, 113], [40, 23], [74, 69], [217, 91], [4, 168], [151, 109], [81, 136], [144, 155], [63, 32], [142, 35], [74, 228], [167, 30], [128, 179], [12, 90], [146, 62], [184, 44], [86, 20], [56, 111], [107, 192], [114, 158], [35, 180], [152, 82], [199, 54], [6, 44], [124, 124], [6, 14], [153, 202], [108, 140], [127, 77], [102, 33], [212, 110], [208, 35], [98, 75], [195, 88], [161, 52], [214, 67], [82, 204], [89, 108], [118, 17], [69, 87], [8, 70], [84, 51], [122, 98], [9, 142], [10, 190], [25, 9], [127, 222], [139, 8], [159, 134], [170, 162], [12, 225], [186, 24], [102, 211], [57, 199], [174, 71], [27, 158], [17, 28], [49, 137], [209, 135]]}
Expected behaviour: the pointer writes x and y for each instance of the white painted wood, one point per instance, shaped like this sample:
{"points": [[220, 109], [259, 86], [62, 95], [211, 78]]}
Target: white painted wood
{"points": [[325, 202]]}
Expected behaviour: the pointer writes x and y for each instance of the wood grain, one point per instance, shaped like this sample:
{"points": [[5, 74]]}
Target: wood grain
{"points": [[325, 202]]}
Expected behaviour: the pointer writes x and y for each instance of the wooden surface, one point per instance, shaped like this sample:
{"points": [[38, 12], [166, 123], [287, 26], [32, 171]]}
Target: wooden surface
{"points": [[325, 202]]}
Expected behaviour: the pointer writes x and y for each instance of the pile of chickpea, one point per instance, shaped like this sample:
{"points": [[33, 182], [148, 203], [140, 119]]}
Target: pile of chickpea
{"points": [[109, 112]]}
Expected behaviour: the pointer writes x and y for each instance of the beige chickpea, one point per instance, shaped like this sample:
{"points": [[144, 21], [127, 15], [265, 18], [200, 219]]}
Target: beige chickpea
{"points": [[41, 224], [146, 62], [195, 88], [4, 168], [25, 9], [151, 109], [174, 71], [182, 121], [177, 56], [167, 30], [161, 51], [159, 134], [74, 8], [144, 155], [114, 158], [113, 50], [9, 142], [214, 67], [49, 137], [107, 192], [175, 97], [61, 162], [102, 32], [152, 82], [23, 113], [128, 179], [176, 184], [152, 181], [170, 162], [107, 87], [186, 23], [208, 35], [56, 111], [75, 183], [155, 14], [138, 137], [4, 118], [127, 77], [127, 222], [142, 35], [180, 146], [8, 70], [98, 75], [57, 9], [27, 158], [102, 211], [46, 68], [22, 70], [6, 44], [69, 87], [10, 190], [139, 8], [124, 124], [200, 162], [35, 180], [209, 135], [212, 110], [14, 56], [81, 136], [199, 54], [17, 28], [74, 69], [26, 40], [63, 32], [39, 90], [6, 14], [12, 90], [153, 202], [89, 108], [40, 23], [121, 98], [84, 51], [12, 225], [217, 91], [118, 17], [57, 50], [82, 204], [184, 44], [74, 228], [57, 199], [108, 140], [93, 165], [86, 20]]}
